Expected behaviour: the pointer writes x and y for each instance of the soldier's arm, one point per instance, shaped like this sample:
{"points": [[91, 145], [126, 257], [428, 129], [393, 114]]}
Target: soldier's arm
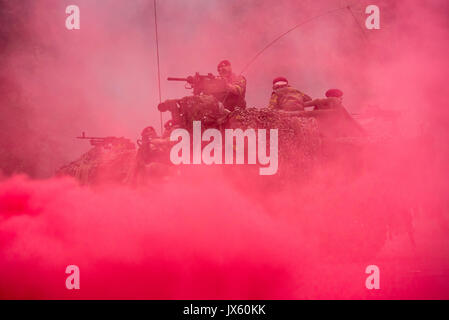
{"points": [[273, 101], [158, 141], [317, 103], [306, 97], [238, 86]]}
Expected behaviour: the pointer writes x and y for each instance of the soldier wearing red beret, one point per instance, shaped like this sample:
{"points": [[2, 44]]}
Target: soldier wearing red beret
{"points": [[285, 97], [333, 100]]}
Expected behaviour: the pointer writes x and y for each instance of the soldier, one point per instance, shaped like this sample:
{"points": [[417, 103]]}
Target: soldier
{"points": [[332, 117], [285, 97], [152, 158], [151, 146], [333, 100], [234, 96]]}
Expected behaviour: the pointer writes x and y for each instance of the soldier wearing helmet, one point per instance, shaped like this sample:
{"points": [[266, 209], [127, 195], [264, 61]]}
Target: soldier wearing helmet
{"points": [[235, 87], [285, 97]]}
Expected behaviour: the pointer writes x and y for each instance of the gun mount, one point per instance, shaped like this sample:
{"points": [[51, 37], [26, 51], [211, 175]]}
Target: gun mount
{"points": [[107, 142], [203, 84]]}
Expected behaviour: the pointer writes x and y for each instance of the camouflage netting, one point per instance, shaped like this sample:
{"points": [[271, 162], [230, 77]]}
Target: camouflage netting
{"points": [[300, 141], [204, 108], [299, 138], [101, 165]]}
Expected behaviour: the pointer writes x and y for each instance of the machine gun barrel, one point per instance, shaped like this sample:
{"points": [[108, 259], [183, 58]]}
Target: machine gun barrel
{"points": [[83, 136], [201, 84], [176, 79], [99, 141]]}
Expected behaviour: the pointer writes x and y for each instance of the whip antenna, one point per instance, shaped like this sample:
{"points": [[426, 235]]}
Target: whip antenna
{"points": [[158, 64], [357, 22], [287, 32]]}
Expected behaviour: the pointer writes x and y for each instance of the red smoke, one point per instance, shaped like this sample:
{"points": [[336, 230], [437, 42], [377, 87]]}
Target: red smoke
{"points": [[203, 236], [214, 239]]}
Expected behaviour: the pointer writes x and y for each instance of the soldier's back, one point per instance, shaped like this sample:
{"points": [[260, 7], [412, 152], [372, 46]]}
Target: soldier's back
{"points": [[290, 98]]}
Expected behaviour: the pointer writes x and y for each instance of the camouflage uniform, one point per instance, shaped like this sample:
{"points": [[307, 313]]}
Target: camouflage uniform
{"points": [[326, 103], [333, 100], [334, 120], [288, 98], [235, 98]]}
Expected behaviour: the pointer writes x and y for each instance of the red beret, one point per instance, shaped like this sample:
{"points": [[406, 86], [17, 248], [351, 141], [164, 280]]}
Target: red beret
{"points": [[279, 79], [334, 93]]}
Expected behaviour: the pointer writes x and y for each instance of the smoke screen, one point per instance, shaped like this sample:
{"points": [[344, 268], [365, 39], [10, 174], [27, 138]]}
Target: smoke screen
{"points": [[215, 238]]}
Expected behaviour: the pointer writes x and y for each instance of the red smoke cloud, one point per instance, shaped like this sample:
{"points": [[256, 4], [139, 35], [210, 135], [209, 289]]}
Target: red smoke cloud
{"points": [[204, 239], [212, 238], [173, 241]]}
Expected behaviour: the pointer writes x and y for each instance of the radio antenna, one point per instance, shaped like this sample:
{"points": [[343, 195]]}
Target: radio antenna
{"points": [[158, 64], [288, 31]]}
